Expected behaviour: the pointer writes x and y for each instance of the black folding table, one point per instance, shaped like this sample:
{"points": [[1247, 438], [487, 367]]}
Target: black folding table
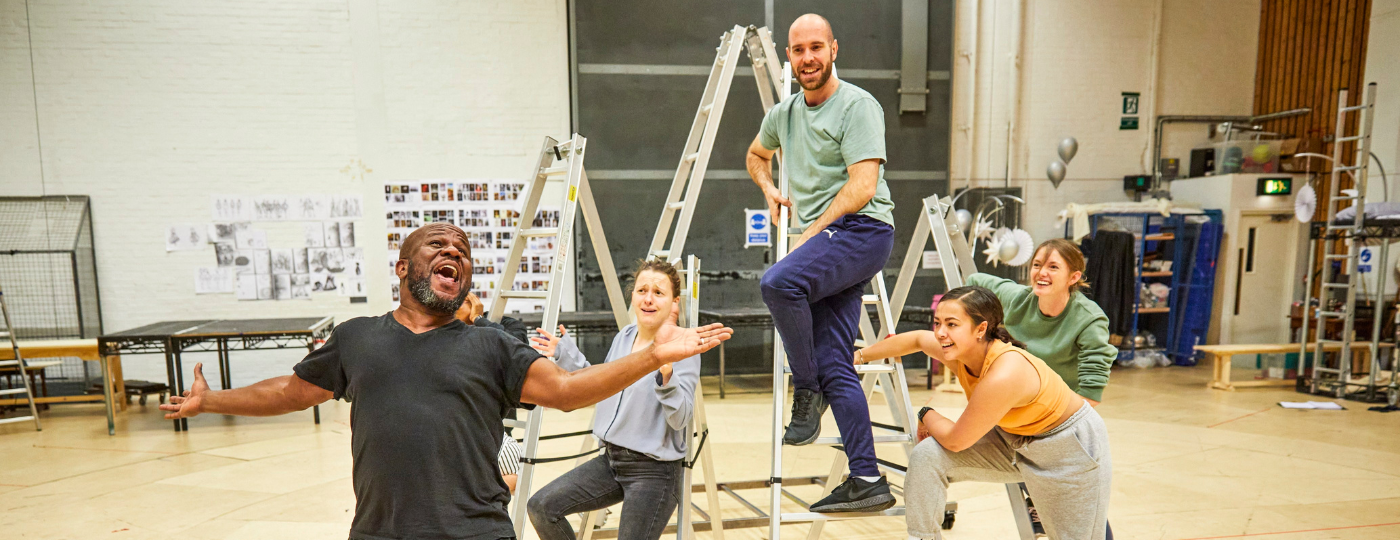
{"points": [[218, 335]]}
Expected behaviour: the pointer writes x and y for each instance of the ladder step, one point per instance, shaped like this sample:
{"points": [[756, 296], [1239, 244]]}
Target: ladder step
{"points": [[1338, 256], [870, 299], [1348, 168], [690, 158], [878, 439], [542, 231], [1326, 369], [1355, 108], [1348, 139], [17, 419], [662, 254], [804, 517], [1335, 285], [4, 363], [510, 422], [1337, 314], [862, 368], [555, 171], [675, 205], [13, 391], [525, 294]]}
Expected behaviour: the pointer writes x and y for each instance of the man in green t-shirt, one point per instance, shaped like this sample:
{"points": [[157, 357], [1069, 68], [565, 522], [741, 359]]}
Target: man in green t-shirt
{"points": [[833, 140]]}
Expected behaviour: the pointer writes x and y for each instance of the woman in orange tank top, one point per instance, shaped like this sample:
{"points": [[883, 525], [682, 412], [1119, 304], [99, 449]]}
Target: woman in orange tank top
{"points": [[1022, 424]]}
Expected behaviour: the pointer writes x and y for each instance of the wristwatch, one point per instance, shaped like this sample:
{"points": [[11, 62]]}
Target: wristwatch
{"points": [[922, 412]]}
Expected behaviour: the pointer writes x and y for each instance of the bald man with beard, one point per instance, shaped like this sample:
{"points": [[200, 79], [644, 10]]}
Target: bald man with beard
{"points": [[428, 393]]}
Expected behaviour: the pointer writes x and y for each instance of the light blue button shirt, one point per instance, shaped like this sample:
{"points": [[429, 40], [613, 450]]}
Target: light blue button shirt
{"points": [[647, 417]]}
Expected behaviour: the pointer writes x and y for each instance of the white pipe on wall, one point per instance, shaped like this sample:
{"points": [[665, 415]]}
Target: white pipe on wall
{"points": [[1148, 107], [970, 53], [1013, 96]]}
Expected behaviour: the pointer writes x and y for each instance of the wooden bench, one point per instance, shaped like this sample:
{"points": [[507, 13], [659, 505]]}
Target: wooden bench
{"points": [[85, 349], [1222, 353]]}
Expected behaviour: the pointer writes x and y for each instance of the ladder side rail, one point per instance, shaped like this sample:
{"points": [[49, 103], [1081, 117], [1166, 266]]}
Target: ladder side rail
{"points": [[702, 162], [909, 268], [564, 240], [527, 472], [1363, 161], [532, 203], [692, 143], [601, 251]]}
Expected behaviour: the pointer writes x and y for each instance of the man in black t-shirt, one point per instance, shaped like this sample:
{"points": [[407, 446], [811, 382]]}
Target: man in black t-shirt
{"points": [[428, 393]]}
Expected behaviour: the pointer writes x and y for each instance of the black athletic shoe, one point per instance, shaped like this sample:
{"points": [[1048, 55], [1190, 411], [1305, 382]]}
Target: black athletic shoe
{"points": [[807, 409], [856, 495]]}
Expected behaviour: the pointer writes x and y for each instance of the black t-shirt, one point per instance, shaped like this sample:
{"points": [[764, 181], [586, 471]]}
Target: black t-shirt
{"points": [[426, 424]]}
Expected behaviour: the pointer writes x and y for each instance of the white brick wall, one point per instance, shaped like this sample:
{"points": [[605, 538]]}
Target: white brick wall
{"points": [[1077, 59], [151, 106]]}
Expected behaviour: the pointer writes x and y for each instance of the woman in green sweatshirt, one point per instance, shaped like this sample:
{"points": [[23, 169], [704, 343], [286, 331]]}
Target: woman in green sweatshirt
{"points": [[1055, 320]]}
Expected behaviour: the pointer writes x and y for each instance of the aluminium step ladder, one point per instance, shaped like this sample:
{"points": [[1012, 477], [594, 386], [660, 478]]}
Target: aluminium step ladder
{"points": [[557, 162], [695, 157], [1322, 378], [20, 365]]}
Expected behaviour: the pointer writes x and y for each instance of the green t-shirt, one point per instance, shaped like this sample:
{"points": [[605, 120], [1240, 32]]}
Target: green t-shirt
{"points": [[820, 142], [1074, 344]]}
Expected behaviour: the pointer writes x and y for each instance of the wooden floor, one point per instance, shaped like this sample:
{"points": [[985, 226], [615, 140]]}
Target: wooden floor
{"points": [[1189, 463]]}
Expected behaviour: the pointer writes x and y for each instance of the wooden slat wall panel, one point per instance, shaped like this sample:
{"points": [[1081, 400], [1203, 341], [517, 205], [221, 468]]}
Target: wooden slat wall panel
{"points": [[1309, 50]]}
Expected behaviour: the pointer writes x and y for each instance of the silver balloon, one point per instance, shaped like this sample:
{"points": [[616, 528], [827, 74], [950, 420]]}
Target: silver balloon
{"points": [[1008, 249], [1056, 173], [964, 218], [1068, 148]]}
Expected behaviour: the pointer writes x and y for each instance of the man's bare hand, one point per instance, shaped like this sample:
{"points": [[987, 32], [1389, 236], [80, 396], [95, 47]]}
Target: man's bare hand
{"points": [[191, 403], [674, 343], [776, 200], [547, 343]]}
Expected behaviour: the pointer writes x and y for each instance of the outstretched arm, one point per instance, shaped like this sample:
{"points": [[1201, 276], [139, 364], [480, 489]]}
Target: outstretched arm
{"points": [[549, 385], [901, 344], [278, 395]]}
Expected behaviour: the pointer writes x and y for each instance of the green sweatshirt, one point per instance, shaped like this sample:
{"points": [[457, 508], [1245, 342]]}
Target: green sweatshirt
{"points": [[1074, 344]]}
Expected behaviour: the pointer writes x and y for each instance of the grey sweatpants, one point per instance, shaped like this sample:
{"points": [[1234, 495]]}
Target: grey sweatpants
{"points": [[1067, 471]]}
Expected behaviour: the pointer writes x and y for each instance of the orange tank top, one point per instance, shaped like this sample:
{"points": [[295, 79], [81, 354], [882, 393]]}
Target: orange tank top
{"points": [[1033, 418]]}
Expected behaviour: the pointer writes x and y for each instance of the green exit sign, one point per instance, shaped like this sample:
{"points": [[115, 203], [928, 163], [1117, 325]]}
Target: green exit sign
{"points": [[1275, 186]]}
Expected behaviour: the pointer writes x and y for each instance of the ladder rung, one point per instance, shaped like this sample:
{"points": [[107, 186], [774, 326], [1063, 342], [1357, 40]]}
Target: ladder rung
{"points": [[511, 422], [878, 439], [1348, 139], [1330, 341], [16, 419], [1338, 256], [524, 294], [4, 363], [676, 205], [860, 368], [14, 391], [706, 109], [804, 517], [555, 171], [870, 299], [1348, 168], [542, 231], [662, 253], [1331, 314], [1326, 369], [1355, 108], [1343, 198], [691, 158], [1335, 285]]}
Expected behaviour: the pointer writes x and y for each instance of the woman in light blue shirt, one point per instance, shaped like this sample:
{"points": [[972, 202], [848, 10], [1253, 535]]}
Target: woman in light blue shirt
{"points": [[642, 429]]}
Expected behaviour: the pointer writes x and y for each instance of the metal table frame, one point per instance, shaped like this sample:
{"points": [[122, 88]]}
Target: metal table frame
{"points": [[222, 336]]}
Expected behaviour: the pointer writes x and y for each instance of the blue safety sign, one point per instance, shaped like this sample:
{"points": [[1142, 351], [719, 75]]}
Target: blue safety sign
{"points": [[756, 230]]}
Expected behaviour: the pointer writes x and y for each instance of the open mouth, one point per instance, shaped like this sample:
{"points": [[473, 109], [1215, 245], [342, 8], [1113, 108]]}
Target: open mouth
{"points": [[811, 71], [1042, 283], [647, 310], [448, 272]]}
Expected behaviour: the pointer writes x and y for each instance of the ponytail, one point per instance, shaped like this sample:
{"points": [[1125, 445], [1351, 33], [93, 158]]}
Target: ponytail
{"points": [[1002, 334]]}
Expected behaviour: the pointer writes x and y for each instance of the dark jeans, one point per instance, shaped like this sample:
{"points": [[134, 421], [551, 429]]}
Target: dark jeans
{"points": [[814, 294], [648, 490]]}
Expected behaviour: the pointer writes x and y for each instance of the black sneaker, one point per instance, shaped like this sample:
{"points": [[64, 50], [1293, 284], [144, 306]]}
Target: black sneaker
{"points": [[1036, 527], [807, 410], [856, 495]]}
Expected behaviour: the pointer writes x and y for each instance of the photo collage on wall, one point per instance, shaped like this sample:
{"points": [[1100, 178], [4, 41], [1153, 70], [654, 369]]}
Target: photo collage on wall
{"points": [[328, 259], [489, 212]]}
